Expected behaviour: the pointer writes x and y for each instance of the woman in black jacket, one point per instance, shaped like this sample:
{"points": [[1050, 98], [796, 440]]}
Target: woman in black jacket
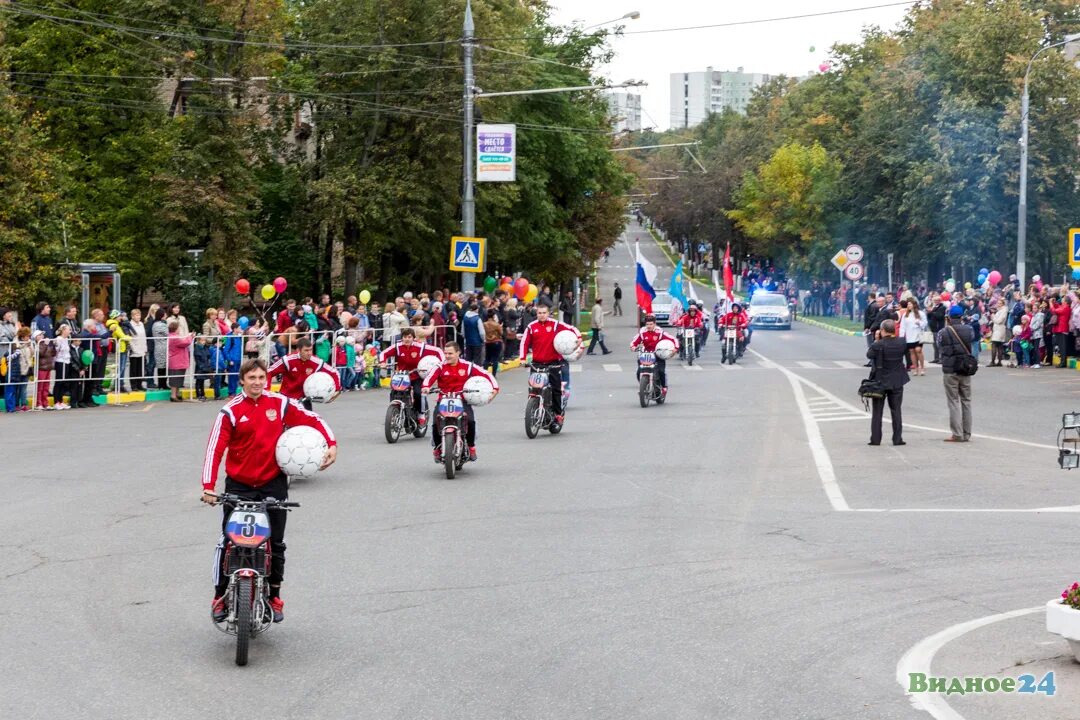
{"points": [[888, 357]]}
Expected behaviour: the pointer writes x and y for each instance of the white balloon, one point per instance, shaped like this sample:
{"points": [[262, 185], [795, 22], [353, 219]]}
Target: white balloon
{"points": [[319, 387], [300, 451], [478, 391]]}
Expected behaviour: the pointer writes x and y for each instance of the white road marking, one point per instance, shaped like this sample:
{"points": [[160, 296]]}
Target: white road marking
{"points": [[919, 657], [695, 368], [847, 364], [808, 365], [576, 368], [610, 367], [1061, 509], [734, 367], [817, 445], [839, 418]]}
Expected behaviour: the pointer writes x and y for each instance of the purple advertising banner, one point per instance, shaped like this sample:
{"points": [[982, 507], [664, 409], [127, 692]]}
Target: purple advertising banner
{"points": [[495, 153]]}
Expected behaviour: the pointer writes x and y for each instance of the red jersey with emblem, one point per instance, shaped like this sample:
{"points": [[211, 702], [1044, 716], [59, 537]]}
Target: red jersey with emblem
{"points": [[295, 371], [540, 338], [249, 429], [690, 320], [409, 356], [647, 339], [451, 378]]}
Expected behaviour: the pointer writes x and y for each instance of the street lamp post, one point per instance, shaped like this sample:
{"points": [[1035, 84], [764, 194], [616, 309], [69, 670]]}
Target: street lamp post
{"points": [[1021, 219], [632, 15], [468, 191]]}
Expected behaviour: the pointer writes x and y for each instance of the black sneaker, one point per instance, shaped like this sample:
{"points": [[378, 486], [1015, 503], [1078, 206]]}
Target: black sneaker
{"points": [[218, 611]]}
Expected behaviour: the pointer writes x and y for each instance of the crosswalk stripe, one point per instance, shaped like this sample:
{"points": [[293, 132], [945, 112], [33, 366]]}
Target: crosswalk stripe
{"points": [[611, 367], [847, 364], [696, 368], [576, 368], [807, 364]]}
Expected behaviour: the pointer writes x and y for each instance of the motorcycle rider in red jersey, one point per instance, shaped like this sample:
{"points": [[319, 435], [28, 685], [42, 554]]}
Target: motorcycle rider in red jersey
{"points": [[408, 354], [246, 433], [736, 317], [539, 337], [692, 319], [295, 369], [451, 377], [646, 340]]}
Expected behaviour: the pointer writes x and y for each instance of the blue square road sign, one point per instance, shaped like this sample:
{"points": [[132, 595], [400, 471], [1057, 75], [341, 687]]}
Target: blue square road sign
{"points": [[467, 254]]}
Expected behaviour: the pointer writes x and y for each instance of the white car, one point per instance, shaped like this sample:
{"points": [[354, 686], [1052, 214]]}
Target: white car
{"points": [[661, 308], [769, 310]]}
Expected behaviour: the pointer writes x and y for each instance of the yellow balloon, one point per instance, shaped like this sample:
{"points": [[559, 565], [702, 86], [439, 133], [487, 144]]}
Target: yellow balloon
{"points": [[967, 286], [365, 297], [268, 292], [531, 293]]}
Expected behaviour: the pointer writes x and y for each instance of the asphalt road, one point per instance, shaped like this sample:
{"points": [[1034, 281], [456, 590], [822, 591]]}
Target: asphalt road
{"points": [[736, 553]]}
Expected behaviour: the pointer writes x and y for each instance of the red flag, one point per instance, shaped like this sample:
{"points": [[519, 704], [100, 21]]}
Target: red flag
{"points": [[729, 278]]}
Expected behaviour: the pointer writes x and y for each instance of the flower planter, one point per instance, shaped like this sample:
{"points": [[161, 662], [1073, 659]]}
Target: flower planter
{"points": [[1064, 621]]}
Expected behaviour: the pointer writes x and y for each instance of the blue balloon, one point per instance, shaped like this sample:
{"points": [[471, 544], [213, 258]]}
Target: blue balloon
{"points": [[984, 271], [243, 322], [1076, 274], [981, 278]]}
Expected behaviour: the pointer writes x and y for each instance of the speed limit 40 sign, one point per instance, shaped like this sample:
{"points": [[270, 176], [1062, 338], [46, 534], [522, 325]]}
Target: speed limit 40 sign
{"points": [[854, 271]]}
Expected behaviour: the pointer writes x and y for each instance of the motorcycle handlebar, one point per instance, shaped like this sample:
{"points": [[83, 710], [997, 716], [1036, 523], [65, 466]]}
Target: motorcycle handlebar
{"points": [[268, 502]]}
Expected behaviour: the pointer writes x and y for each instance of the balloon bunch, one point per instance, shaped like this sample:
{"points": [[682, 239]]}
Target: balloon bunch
{"points": [[521, 288], [268, 292]]}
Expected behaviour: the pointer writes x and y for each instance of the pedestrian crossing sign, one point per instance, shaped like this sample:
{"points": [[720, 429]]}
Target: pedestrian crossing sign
{"points": [[1074, 248], [467, 254]]}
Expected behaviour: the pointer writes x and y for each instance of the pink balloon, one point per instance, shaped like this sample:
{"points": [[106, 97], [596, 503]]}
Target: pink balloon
{"points": [[946, 296], [824, 67], [521, 286], [280, 284], [994, 277]]}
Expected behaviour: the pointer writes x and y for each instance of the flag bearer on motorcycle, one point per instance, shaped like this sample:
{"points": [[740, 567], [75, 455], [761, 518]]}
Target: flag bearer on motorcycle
{"points": [[246, 432], [451, 377], [539, 338], [737, 318], [646, 340], [408, 353], [692, 319]]}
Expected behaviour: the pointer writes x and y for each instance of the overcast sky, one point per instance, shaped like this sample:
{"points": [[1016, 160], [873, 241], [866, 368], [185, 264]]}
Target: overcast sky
{"points": [[775, 48]]}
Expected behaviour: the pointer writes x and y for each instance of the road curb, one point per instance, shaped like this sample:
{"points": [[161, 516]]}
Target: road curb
{"points": [[830, 328]]}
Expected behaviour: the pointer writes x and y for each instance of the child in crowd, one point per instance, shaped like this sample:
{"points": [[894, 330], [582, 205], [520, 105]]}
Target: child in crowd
{"points": [[1022, 341], [204, 367], [19, 362], [46, 361]]}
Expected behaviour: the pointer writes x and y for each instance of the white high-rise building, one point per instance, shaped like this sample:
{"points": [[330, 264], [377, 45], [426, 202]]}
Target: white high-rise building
{"points": [[696, 94], [625, 111]]}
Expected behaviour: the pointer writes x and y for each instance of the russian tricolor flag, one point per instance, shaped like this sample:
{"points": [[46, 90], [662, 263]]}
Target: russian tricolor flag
{"points": [[646, 274]]}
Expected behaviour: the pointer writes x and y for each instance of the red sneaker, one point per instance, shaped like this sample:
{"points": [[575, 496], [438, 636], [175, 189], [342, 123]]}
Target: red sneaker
{"points": [[558, 420], [437, 452], [472, 454], [663, 392], [422, 421], [278, 606], [218, 611]]}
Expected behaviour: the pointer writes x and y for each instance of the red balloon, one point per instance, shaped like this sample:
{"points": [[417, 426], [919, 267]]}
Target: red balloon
{"points": [[280, 284], [243, 287], [506, 280], [521, 286], [946, 296]]}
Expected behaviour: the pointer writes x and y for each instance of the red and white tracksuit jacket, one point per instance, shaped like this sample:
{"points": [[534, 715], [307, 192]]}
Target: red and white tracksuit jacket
{"points": [[451, 378], [295, 371], [540, 338], [739, 320], [249, 429], [647, 339], [687, 320], [409, 356]]}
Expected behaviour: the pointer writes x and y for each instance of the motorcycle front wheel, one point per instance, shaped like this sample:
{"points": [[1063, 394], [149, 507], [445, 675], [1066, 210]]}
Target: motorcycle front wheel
{"points": [[532, 417], [392, 425], [421, 431], [244, 589], [449, 454], [644, 391]]}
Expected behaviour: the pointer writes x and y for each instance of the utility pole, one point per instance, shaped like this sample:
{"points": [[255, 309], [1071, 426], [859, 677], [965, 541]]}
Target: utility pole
{"points": [[468, 196]]}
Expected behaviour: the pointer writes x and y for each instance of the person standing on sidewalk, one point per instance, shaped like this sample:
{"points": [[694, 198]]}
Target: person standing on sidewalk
{"points": [[955, 343], [1062, 314], [874, 304], [617, 308], [597, 325], [935, 318]]}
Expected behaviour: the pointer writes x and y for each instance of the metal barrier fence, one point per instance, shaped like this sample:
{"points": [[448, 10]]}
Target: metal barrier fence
{"points": [[126, 373]]}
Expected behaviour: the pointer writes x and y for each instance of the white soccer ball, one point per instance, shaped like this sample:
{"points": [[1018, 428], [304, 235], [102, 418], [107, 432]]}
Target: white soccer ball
{"points": [[664, 349], [478, 391], [426, 365], [319, 387], [577, 354], [566, 342], [300, 451]]}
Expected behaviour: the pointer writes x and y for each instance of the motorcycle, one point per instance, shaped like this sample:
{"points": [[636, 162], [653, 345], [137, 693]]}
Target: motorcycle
{"points": [[246, 561], [729, 351], [539, 411], [689, 345], [401, 416], [454, 452], [649, 390]]}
